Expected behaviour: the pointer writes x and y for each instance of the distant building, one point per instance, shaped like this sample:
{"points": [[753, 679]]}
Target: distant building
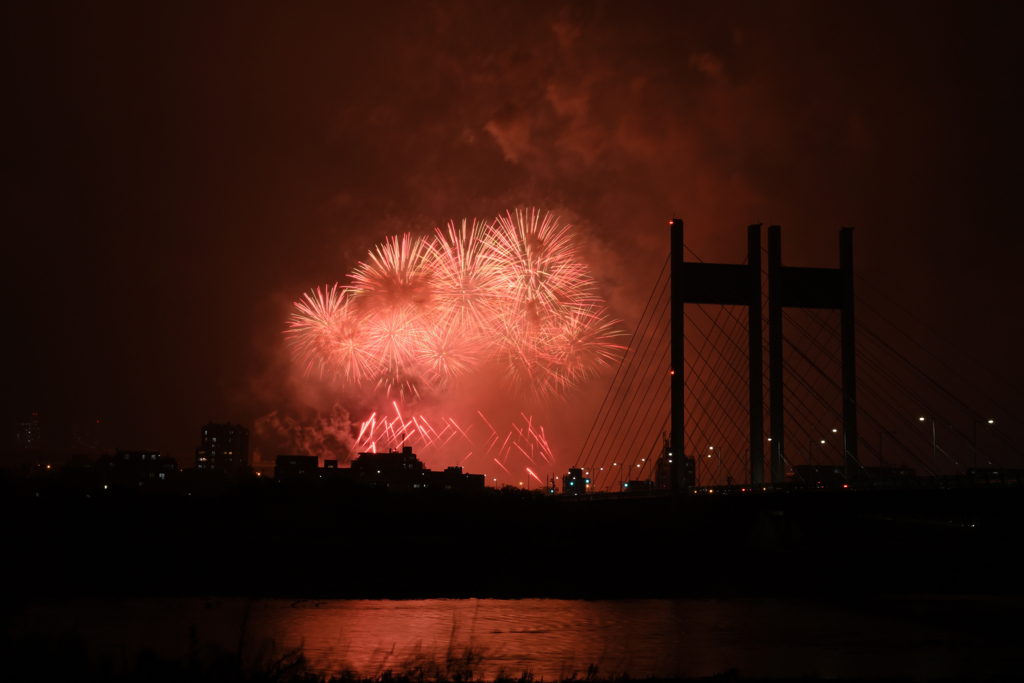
{"points": [[402, 470], [137, 468], [391, 464], [223, 447], [574, 483], [394, 470], [296, 467], [29, 436], [884, 472], [87, 436], [683, 466], [454, 479], [823, 475], [995, 476]]}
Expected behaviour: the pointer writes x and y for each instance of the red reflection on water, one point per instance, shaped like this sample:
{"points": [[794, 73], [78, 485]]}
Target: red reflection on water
{"points": [[554, 639]]}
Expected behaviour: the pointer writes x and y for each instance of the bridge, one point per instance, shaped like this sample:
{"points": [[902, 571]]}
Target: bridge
{"points": [[857, 390]]}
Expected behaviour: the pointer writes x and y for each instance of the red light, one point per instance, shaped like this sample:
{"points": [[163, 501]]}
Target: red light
{"points": [[845, 486], [671, 372]]}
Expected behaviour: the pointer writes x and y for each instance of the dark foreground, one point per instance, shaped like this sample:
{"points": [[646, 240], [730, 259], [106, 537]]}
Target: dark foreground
{"points": [[262, 539], [65, 659]]}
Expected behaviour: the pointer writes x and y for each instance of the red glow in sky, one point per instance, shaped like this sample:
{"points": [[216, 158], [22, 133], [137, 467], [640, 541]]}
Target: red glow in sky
{"points": [[178, 176]]}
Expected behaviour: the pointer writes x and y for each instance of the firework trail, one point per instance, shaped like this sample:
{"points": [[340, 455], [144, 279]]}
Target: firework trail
{"points": [[386, 432], [422, 312]]}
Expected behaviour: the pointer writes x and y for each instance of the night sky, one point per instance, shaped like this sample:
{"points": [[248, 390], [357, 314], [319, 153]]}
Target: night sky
{"points": [[176, 177]]}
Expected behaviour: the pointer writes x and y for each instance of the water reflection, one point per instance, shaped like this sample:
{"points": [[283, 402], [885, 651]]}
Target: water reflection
{"points": [[556, 639]]}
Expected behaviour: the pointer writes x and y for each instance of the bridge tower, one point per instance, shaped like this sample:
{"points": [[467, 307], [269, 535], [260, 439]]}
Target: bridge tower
{"points": [[823, 288], [788, 287], [723, 285]]}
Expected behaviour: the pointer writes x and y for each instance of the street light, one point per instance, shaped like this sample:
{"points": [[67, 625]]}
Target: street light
{"points": [[719, 479], [935, 448], [974, 425]]}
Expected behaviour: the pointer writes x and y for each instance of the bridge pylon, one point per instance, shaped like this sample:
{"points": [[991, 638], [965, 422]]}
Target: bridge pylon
{"points": [[724, 285], [788, 287]]}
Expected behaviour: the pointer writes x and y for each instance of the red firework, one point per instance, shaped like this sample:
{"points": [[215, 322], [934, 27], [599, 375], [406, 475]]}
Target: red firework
{"points": [[421, 313]]}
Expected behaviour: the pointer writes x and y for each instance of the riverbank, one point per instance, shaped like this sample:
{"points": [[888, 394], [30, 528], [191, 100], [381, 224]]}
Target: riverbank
{"points": [[266, 540]]}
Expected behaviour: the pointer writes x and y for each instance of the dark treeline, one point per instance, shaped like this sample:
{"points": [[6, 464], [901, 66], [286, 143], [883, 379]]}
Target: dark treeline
{"points": [[264, 539]]}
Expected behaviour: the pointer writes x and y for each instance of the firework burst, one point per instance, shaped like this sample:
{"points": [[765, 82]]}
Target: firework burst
{"points": [[420, 313], [538, 265], [398, 277], [328, 336], [465, 280]]}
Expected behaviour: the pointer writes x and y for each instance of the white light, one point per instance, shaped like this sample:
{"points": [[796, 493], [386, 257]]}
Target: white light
{"points": [[991, 422], [834, 431], [823, 440], [769, 438], [921, 419]]}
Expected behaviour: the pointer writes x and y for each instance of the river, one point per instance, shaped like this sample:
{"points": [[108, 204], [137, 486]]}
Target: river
{"points": [[915, 637]]}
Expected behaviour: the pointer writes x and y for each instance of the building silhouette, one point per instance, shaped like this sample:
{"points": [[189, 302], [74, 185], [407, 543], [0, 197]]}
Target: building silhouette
{"points": [[297, 467], [136, 468], [223, 448], [29, 435], [394, 470], [574, 483]]}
